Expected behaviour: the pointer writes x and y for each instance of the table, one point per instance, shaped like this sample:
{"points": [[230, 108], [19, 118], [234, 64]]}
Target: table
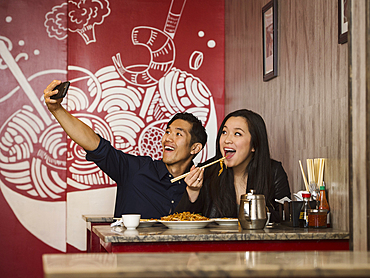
{"points": [[93, 242], [205, 264], [219, 238]]}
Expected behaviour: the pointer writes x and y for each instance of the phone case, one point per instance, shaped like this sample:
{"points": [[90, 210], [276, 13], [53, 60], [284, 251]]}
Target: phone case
{"points": [[62, 90]]}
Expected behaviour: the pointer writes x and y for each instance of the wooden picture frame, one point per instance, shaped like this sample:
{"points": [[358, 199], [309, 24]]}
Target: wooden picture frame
{"points": [[342, 21], [270, 40]]}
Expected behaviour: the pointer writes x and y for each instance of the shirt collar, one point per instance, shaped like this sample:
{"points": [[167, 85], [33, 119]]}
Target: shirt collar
{"points": [[163, 171]]}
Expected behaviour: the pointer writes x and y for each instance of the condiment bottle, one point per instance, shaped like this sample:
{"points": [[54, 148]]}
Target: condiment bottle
{"points": [[303, 216], [324, 204]]}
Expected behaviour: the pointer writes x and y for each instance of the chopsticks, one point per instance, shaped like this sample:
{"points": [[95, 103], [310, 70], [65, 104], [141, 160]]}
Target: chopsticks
{"points": [[315, 172], [320, 178], [205, 166], [310, 171], [304, 177]]}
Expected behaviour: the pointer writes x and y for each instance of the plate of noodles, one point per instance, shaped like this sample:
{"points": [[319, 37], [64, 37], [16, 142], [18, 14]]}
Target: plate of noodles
{"points": [[226, 221], [185, 220], [147, 222]]}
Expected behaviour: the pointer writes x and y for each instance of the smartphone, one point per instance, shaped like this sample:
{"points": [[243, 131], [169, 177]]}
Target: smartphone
{"points": [[62, 90]]}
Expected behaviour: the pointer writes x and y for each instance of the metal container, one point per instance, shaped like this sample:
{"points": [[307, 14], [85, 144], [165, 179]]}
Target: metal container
{"points": [[252, 211]]}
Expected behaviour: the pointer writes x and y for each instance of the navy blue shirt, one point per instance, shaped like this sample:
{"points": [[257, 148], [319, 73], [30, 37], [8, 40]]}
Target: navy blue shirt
{"points": [[143, 184]]}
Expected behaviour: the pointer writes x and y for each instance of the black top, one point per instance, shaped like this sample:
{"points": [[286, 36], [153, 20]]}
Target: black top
{"points": [[205, 206], [143, 184]]}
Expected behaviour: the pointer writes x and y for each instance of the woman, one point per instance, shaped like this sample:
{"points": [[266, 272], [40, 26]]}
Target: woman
{"points": [[215, 191]]}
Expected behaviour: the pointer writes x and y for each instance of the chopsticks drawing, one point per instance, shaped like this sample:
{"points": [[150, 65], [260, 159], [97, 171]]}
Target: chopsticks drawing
{"points": [[205, 166]]}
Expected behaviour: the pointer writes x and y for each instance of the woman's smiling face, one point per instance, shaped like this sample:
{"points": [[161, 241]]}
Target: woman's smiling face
{"points": [[235, 143]]}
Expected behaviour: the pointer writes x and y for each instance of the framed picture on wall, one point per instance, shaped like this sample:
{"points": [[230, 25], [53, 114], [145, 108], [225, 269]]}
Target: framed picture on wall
{"points": [[270, 43], [342, 21]]}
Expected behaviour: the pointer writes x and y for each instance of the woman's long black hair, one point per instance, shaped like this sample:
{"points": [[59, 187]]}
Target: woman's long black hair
{"points": [[221, 188]]}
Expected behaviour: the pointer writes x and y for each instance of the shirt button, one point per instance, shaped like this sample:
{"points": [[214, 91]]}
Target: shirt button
{"points": [[172, 201]]}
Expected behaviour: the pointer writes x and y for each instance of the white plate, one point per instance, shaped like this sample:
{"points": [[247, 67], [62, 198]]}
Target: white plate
{"points": [[226, 221], [186, 224], [147, 223]]}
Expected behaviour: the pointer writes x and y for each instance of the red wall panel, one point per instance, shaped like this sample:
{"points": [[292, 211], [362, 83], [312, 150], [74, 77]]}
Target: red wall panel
{"points": [[132, 65]]}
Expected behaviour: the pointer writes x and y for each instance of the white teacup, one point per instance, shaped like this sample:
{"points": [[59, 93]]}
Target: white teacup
{"points": [[131, 221]]}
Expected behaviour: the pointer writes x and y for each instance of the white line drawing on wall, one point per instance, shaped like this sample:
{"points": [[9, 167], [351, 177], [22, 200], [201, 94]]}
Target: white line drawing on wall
{"points": [[18, 74], [173, 17], [82, 17], [162, 57], [160, 46], [30, 151], [196, 60]]}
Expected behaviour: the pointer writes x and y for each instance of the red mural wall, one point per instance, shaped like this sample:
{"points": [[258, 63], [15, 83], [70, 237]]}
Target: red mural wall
{"points": [[132, 65]]}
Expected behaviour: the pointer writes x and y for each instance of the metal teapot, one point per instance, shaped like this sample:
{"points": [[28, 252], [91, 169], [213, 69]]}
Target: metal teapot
{"points": [[252, 211]]}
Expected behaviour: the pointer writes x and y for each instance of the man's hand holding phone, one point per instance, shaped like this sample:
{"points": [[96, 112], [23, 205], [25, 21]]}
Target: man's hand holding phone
{"points": [[54, 93], [62, 90], [77, 130]]}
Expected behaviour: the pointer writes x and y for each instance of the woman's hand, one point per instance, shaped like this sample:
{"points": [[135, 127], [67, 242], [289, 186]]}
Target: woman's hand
{"points": [[195, 182]]}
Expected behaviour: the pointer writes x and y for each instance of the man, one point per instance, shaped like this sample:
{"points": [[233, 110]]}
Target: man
{"points": [[143, 185]]}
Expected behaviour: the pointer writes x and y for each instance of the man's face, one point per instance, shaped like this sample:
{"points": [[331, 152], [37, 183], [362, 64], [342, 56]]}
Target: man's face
{"points": [[176, 142]]}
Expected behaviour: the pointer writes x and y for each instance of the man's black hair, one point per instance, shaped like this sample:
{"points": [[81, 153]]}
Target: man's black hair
{"points": [[197, 131]]}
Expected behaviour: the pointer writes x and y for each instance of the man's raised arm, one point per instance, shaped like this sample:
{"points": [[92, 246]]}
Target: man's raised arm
{"points": [[79, 132]]}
